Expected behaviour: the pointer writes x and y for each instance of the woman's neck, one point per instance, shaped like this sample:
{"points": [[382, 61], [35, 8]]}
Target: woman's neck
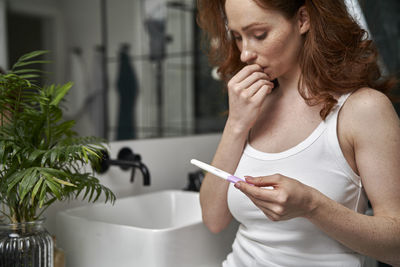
{"points": [[289, 83]]}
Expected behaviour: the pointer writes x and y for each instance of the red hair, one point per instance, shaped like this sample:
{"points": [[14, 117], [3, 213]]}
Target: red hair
{"points": [[336, 56]]}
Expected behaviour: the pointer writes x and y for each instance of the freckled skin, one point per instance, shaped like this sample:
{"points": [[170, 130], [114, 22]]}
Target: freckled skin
{"points": [[278, 50]]}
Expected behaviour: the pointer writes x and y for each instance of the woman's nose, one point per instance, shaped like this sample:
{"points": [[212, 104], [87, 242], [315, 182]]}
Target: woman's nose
{"points": [[247, 55]]}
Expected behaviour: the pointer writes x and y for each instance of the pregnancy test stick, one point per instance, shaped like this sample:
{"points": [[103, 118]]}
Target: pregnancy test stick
{"points": [[216, 171], [220, 173]]}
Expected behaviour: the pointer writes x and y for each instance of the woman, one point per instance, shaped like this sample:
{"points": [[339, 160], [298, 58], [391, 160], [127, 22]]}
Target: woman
{"points": [[309, 117]]}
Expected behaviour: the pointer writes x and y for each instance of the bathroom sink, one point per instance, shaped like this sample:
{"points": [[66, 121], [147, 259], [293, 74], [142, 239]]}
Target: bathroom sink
{"points": [[161, 229]]}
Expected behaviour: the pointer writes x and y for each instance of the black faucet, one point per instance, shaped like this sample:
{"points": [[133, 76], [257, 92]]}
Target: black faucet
{"points": [[126, 159]]}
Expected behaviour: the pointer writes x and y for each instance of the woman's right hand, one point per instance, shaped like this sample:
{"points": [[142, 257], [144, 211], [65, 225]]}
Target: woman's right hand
{"points": [[247, 91]]}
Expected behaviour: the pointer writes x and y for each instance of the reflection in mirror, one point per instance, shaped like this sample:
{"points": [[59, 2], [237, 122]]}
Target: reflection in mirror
{"points": [[138, 67]]}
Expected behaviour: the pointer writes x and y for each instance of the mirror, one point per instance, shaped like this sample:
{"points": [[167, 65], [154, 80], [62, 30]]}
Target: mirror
{"points": [[138, 65]]}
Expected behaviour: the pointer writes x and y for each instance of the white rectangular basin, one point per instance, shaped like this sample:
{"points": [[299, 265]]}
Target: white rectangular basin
{"points": [[161, 229]]}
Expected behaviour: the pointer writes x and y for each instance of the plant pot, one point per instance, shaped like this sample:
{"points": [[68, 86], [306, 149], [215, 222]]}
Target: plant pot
{"points": [[25, 244]]}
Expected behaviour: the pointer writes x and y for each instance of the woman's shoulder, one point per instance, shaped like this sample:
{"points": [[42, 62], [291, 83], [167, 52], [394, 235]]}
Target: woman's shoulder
{"points": [[367, 108], [368, 96], [367, 102]]}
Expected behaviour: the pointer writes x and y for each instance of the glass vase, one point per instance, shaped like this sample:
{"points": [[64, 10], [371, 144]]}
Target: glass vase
{"points": [[25, 244]]}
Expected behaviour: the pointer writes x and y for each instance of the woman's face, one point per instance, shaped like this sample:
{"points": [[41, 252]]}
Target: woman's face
{"points": [[265, 37]]}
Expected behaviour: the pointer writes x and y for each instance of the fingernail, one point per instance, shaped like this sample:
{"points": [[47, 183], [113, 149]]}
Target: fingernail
{"points": [[237, 185]]}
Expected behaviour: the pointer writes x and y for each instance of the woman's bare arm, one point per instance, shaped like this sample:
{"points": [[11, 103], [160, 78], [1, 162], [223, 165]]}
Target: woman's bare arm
{"points": [[375, 128], [213, 191], [247, 91]]}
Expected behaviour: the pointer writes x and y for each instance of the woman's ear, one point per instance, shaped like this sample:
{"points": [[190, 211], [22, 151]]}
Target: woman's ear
{"points": [[303, 20]]}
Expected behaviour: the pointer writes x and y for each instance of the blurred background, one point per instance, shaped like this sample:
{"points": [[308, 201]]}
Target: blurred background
{"points": [[138, 66]]}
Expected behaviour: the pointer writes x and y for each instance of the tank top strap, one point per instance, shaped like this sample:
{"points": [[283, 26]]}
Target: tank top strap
{"points": [[332, 117], [343, 99]]}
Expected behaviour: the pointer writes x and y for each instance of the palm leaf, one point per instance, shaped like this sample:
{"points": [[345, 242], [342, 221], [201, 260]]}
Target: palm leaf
{"points": [[22, 63], [60, 92], [27, 183], [22, 71], [32, 54], [36, 189]]}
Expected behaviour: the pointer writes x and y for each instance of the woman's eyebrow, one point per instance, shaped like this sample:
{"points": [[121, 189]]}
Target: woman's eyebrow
{"points": [[245, 28]]}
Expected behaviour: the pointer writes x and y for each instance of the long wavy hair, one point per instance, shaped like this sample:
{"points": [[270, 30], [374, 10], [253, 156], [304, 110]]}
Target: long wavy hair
{"points": [[336, 56]]}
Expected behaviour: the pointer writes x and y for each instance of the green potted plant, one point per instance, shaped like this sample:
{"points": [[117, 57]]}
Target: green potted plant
{"points": [[42, 160]]}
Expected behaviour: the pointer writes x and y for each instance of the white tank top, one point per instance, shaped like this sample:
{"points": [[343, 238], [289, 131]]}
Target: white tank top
{"points": [[318, 162]]}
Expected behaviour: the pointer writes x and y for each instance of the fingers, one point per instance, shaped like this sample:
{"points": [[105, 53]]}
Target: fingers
{"points": [[259, 89], [271, 180], [249, 81], [255, 78], [245, 72], [262, 194]]}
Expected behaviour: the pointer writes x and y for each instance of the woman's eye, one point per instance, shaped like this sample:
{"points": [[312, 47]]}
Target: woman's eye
{"points": [[261, 36], [236, 37]]}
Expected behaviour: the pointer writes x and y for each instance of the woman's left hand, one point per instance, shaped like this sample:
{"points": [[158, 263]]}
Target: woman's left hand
{"points": [[288, 199]]}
